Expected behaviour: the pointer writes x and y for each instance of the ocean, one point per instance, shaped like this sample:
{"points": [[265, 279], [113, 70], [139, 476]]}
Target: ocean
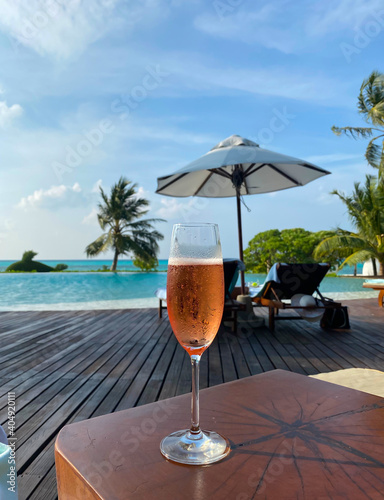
{"points": [[89, 264], [123, 265]]}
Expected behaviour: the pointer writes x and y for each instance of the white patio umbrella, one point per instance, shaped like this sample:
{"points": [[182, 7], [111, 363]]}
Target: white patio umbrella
{"points": [[237, 167]]}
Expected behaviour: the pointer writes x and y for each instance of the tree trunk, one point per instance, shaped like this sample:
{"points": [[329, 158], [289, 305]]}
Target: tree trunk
{"points": [[381, 268], [115, 259], [374, 267], [355, 270]]}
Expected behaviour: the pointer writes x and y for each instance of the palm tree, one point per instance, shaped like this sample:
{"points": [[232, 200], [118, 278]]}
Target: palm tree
{"points": [[371, 105], [366, 210], [121, 213]]}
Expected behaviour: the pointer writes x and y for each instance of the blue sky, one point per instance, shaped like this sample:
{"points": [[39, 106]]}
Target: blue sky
{"points": [[91, 90]]}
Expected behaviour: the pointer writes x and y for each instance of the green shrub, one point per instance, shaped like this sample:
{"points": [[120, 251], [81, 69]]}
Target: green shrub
{"points": [[61, 267], [146, 265], [27, 265], [28, 255]]}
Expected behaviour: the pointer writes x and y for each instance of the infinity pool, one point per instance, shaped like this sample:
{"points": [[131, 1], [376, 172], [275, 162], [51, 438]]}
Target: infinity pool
{"points": [[109, 290]]}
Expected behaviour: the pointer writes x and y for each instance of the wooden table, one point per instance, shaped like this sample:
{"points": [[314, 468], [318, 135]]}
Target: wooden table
{"points": [[292, 437], [377, 286]]}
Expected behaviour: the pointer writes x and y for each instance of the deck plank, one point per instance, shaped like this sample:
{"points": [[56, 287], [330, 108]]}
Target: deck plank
{"points": [[73, 365]]}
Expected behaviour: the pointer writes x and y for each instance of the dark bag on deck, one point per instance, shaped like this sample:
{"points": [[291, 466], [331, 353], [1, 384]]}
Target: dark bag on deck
{"points": [[335, 318]]}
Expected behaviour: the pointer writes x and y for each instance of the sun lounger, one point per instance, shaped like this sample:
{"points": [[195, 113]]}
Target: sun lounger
{"points": [[161, 294], [293, 281], [376, 285], [232, 267]]}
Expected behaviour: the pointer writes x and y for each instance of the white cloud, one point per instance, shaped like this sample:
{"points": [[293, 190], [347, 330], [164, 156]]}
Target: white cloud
{"points": [[55, 197], [142, 193], [264, 26], [6, 225], [333, 158], [64, 29], [169, 134], [325, 197], [182, 210], [157, 130], [333, 17], [287, 26], [291, 83], [170, 208], [91, 218], [200, 73], [97, 186], [8, 113]]}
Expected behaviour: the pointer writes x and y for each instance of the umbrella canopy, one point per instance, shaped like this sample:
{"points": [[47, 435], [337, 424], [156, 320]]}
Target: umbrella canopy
{"points": [[237, 167]]}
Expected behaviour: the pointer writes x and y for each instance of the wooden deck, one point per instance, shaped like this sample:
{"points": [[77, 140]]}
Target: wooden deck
{"points": [[69, 366]]}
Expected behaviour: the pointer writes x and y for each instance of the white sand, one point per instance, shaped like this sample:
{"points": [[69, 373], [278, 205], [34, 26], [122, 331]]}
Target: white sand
{"points": [[85, 306]]}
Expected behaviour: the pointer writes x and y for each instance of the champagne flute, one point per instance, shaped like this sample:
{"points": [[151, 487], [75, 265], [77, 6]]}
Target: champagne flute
{"points": [[195, 302]]}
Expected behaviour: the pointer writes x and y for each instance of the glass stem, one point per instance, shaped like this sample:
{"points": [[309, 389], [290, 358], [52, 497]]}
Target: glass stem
{"points": [[195, 424]]}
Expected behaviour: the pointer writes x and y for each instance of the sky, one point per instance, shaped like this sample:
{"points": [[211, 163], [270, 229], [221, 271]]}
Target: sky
{"points": [[91, 90]]}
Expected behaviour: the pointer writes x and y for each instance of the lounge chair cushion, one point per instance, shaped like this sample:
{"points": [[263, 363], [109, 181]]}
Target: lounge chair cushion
{"points": [[288, 280], [161, 293]]}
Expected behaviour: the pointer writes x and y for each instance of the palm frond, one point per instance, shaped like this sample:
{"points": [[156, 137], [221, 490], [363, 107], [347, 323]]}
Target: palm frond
{"points": [[100, 245], [371, 98], [381, 164], [104, 196], [103, 220], [144, 224], [356, 258], [342, 242], [374, 153], [354, 132], [147, 235], [144, 251], [365, 208]]}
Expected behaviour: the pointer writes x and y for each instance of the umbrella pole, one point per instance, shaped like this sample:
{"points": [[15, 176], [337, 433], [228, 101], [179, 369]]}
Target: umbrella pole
{"points": [[240, 231]]}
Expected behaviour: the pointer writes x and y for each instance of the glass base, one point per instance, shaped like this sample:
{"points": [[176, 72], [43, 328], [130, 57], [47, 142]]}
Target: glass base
{"points": [[201, 448]]}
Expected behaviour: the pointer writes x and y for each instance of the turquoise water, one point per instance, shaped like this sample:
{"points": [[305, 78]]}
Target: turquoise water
{"points": [[57, 288], [328, 285]]}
